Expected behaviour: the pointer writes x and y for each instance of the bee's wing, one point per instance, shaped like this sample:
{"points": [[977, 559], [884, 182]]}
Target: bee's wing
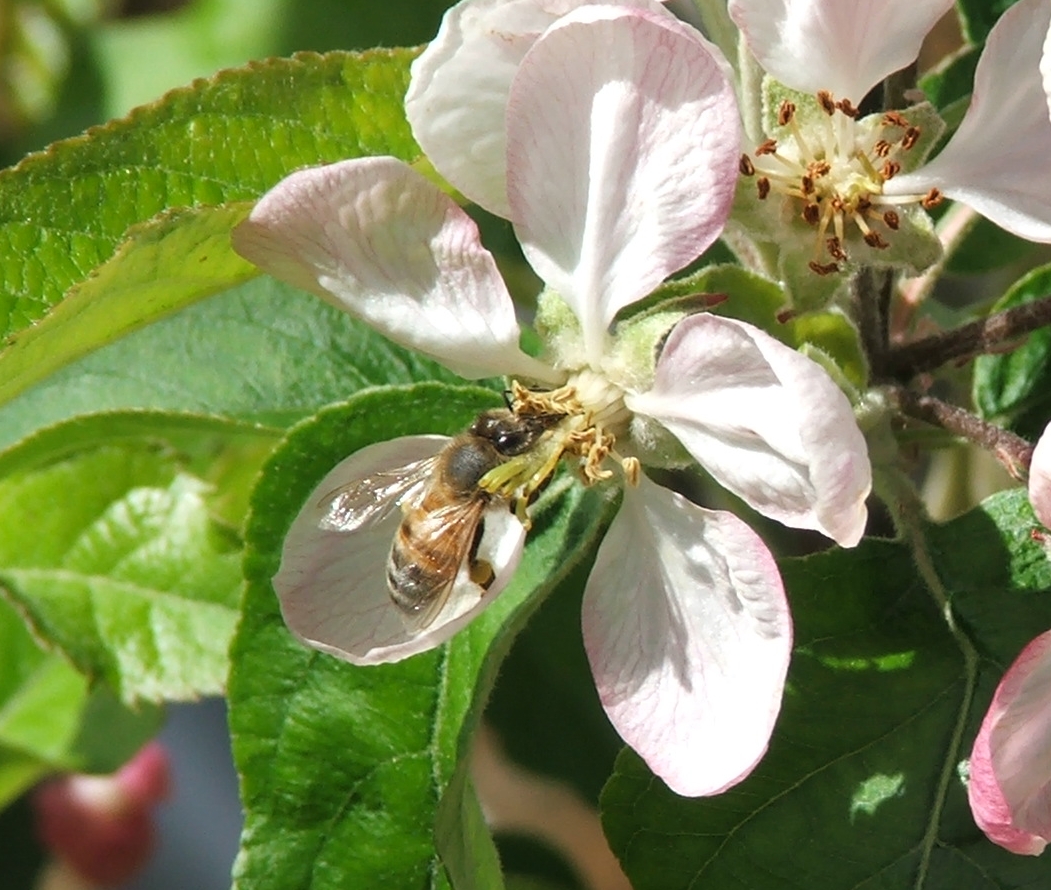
{"points": [[446, 535], [369, 500]]}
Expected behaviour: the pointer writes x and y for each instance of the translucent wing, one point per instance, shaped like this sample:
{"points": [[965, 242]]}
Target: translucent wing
{"points": [[442, 543], [369, 500]]}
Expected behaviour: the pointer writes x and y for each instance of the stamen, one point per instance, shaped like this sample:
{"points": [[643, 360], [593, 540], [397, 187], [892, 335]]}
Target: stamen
{"points": [[785, 113], [911, 137], [931, 200], [762, 185], [827, 269], [768, 147], [746, 167], [891, 220], [825, 100]]}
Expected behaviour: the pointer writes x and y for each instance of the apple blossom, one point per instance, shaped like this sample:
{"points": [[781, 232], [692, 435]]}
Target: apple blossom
{"points": [[1010, 774], [617, 185], [858, 183]]}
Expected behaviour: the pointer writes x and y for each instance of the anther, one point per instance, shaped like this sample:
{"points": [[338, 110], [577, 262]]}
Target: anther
{"points": [[768, 147], [931, 200], [845, 106], [762, 186], [835, 249], [882, 148], [785, 113], [819, 269], [893, 119], [911, 137], [746, 167], [811, 214], [889, 170], [806, 185], [827, 103], [873, 239], [891, 220]]}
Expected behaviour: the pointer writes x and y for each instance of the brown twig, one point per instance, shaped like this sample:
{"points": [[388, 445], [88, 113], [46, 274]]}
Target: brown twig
{"points": [[1014, 452], [903, 363]]}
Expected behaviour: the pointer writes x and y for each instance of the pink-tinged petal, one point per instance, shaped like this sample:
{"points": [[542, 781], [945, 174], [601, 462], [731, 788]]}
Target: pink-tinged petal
{"points": [[689, 636], [457, 97], [1040, 478], [376, 239], [332, 584], [630, 174], [768, 424], [1010, 781], [997, 162], [844, 47]]}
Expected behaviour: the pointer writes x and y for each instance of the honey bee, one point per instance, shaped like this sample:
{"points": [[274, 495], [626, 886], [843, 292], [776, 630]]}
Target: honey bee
{"points": [[443, 500]]}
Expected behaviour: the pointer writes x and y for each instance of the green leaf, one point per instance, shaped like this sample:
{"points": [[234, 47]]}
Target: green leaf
{"points": [[1014, 388], [261, 353], [164, 265], [49, 720], [948, 87], [64, 211], [977, 17], [350, 774], [861, 787], [124, 571]]}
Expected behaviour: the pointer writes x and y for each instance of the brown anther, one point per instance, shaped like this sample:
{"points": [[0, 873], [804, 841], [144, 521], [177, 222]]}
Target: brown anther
{"points": [[768, 147], [811, 214], [890, 170], [746, 167], [819, 269], [827, 103], [931, 200], [817, 169], [762, 186], [835, 249], [911, 137], [893, 119], [874, 239], [806, 185], [863, 205], [882, 148], [784, 316], [847, 108], [891, 220], [785, 113]]}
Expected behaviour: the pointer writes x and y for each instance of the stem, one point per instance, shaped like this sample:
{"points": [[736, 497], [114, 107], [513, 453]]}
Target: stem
{"points": [[871, 291], [984, 335], [1014, 452]]}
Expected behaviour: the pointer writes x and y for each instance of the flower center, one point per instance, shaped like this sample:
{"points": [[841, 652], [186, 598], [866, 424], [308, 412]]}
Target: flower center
{"points": [[591, 414], [834, 170]]}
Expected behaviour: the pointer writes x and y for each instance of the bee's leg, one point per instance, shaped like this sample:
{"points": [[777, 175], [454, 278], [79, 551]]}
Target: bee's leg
{"points": [[482, 573]]}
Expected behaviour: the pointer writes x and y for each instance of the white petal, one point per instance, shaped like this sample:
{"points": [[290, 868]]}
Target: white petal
{"points": [[379, 241], [333, 587], [844, 47], [999, 160], [630, 174], [1040, 478], [688, 633], [457, 97], [768, 424], [1045, 68], [1010, 783]]}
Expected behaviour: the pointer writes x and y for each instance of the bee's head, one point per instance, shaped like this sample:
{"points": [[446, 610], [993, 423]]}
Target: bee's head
{"points": [[511, 433]]}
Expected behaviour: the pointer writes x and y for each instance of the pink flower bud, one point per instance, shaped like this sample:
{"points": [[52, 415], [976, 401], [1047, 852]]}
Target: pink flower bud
{"points": [[102, 826]]}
